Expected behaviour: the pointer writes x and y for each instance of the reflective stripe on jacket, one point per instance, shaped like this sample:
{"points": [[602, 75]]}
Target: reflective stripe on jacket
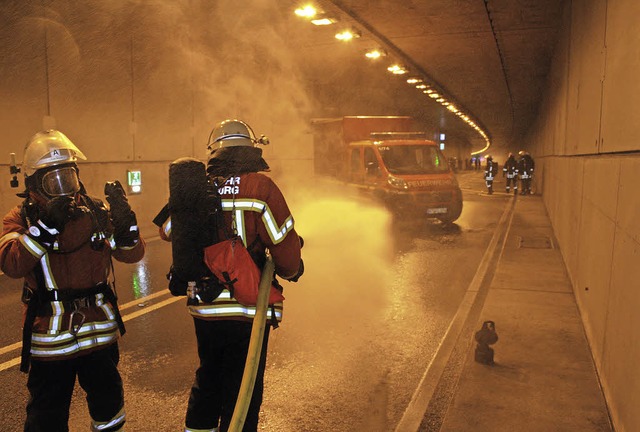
{"points": [[226, 307]]}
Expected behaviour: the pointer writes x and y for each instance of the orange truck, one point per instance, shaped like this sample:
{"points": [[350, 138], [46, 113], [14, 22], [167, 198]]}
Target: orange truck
{"points": [[384, 155]]}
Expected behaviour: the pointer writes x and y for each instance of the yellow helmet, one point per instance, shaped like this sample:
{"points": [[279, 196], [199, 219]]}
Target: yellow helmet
{"points": [[49, 148]]}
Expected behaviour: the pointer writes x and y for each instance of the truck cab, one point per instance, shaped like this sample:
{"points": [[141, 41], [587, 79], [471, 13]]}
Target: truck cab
{"points": [[407, 172], [383, 155]]}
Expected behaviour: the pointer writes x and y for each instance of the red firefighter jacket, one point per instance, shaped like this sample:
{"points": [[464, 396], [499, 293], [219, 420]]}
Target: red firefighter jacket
{"points": [[263, 220], [75, 265]]}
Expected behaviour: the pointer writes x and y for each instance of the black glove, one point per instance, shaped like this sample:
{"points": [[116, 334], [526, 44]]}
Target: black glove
{"points": [[58, 212], [123, 218], [177, 285], [300, 272]]}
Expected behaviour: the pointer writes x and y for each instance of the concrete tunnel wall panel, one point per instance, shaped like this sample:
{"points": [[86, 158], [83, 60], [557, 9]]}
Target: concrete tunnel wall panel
{"points": [[586, 66], [592, 198], [623, 381], [620, 130]]}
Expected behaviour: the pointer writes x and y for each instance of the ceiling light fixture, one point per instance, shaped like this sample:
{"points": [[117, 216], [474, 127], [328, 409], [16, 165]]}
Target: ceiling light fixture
{"points": [[323, 20], [307, 11], [397, 69], [375, 54], [347, 35]]}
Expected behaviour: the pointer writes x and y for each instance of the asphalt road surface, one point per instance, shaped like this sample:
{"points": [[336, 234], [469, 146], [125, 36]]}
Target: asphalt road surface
{"points": [[360, 327]]}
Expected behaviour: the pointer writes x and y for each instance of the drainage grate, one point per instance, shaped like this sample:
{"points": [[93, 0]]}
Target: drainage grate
{"points": [[543, 242]]}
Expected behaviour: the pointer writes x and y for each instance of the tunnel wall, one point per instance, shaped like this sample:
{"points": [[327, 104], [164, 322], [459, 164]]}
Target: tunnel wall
{"points": [[586, 142], [136, 85]]}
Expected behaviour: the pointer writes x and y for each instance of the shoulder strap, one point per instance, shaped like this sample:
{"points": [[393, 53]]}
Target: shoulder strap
{"points": [[33, 300]]}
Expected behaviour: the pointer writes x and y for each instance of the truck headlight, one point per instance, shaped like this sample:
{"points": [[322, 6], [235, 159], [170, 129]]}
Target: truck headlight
{"points": [[397, 182]]}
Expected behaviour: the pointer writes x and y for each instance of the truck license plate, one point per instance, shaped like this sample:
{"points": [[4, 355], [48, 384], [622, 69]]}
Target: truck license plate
{"points": [[438, 210]]}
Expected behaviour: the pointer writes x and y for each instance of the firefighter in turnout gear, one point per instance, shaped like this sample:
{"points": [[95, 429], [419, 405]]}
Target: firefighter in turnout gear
{"points": [[490, 172], [254, 208], [525, 169], [61, 241], [510, 171]]}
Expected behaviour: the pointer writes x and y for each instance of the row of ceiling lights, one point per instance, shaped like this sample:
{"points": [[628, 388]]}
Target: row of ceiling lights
{"points": [[320, 18]]}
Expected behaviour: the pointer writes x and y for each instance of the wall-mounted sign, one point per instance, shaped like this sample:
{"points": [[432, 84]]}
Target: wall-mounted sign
{"points": [[134, 180]]}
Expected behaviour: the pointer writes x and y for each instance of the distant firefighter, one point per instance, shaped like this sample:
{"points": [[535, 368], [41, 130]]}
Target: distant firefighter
{"points": [[510, 171], [490, 172], [525, 169], [485, 336]]}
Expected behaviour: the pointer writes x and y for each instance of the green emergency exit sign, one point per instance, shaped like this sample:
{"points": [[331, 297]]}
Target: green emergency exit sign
{"points": [[134, 180]]}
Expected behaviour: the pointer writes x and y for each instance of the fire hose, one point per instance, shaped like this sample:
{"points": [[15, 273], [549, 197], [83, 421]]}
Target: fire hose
{"points": [[255, 348]]}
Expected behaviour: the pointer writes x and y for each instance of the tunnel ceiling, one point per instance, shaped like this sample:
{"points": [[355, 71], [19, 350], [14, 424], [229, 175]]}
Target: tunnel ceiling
{"points": [[489, 57]]}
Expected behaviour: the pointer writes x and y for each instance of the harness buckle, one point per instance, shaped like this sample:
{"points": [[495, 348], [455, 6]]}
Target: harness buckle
{"points": [[81, 303], [78, 304], [75, 328]]}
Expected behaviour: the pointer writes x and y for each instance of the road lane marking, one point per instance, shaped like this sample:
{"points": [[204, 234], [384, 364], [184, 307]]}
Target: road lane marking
{"points": [[10, 348], [151, 308], [16, 361], [414, 413], [10, 363], [135, 302]]}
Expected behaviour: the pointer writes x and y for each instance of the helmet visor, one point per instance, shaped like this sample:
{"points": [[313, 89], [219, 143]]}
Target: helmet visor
{"points": [[63, 181]]}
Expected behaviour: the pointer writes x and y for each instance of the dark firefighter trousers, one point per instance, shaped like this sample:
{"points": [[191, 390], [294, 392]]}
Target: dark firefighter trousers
{"points": [[222, 348], [51, 384]]}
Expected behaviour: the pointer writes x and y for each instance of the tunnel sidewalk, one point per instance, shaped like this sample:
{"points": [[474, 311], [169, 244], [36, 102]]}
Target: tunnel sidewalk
{"points": [[543, 378]]}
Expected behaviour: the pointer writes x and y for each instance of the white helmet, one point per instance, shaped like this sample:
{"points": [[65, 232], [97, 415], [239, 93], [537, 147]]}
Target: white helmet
{"points": [[233, 133], [49, 148], [45, 151]]}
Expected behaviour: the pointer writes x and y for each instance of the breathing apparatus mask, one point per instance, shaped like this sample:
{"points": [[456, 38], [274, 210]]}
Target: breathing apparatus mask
{"points": [[60, 181]]}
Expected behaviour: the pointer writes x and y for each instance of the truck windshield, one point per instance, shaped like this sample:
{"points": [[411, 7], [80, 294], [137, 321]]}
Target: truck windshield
{"points": [[413, 159]]}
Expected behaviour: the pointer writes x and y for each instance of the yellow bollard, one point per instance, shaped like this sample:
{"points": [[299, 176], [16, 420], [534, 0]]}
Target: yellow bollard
{"points": [[255, 348]]}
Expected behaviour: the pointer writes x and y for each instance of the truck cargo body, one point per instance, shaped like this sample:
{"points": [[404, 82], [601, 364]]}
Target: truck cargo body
{"points": [[382, 155]]}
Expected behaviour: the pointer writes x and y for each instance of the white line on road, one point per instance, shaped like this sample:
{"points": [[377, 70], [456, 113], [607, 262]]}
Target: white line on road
{"points": [[151, 308], [143, 299]]}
